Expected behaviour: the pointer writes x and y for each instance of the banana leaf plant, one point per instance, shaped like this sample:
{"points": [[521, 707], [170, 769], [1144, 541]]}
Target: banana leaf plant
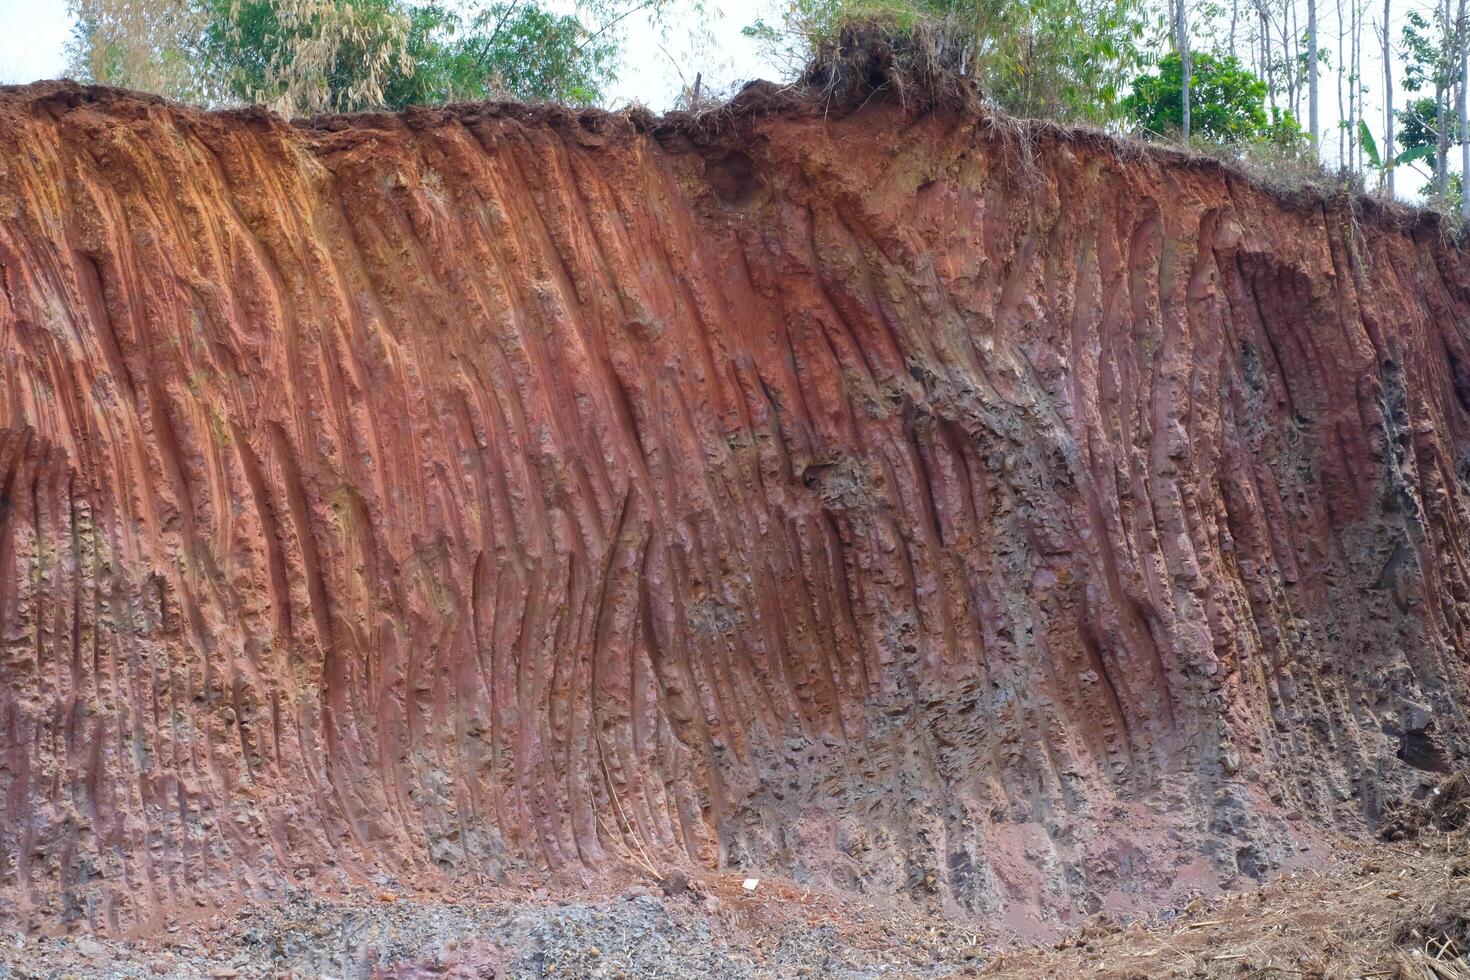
{"points": [[1376, 160]]}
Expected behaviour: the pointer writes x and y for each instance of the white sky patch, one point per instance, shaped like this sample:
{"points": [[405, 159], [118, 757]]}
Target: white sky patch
{"points": [[32, 36], [659, 61]]}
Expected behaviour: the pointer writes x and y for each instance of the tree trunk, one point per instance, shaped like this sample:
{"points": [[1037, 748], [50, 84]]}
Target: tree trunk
{"points": [[1442, 94], [1312, 69], [1441, 141], [1290, 42], [972, 58], [1344, 145], [1182, 26], [1464, 83], [1355, 87], [1388, 150], [1266, 53]]}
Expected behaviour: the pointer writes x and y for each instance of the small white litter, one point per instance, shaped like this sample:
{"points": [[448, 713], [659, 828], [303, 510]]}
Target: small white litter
{"points": [[750, 884]]}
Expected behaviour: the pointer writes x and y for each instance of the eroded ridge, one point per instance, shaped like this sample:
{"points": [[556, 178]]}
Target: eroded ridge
{"points": [[870, 498]]}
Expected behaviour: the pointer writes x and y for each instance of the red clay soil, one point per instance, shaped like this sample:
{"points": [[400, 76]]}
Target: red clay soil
{"points": [[911, 504]]}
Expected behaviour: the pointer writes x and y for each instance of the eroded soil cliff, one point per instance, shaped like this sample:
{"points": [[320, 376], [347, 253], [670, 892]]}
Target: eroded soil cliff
{"points": [[907, 503]]}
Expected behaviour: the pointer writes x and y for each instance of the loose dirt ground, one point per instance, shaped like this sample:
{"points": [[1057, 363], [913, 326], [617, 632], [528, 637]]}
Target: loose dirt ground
{"points": [[1390, 910]]}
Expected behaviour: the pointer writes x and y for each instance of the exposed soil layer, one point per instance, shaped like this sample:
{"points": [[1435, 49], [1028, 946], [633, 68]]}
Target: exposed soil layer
{"points": [[909, 504]]}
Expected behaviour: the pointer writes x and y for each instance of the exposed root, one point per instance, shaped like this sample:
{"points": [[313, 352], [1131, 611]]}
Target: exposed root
{"points": [[638, 854], [916, 67]]}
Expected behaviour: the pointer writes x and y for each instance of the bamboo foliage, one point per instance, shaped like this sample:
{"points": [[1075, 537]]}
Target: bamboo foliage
{"points": [[333, 57], [313, 56], [141, 44]]}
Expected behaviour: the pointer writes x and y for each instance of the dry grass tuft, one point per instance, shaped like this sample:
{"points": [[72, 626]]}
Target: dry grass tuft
{"points": [[1446, 809], [1399, 911]]}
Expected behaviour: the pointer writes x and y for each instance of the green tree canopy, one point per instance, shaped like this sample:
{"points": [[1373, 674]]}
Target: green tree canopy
{"points": [[303, 56], [1226, 102], [510, 48], [1419, 126]]}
